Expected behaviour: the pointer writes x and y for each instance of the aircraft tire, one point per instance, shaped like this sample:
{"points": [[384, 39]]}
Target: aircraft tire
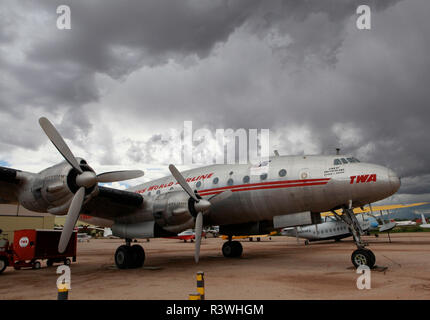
{"points": [[232, 249], [237, 249], [373, 258], [138, 256], [3, 264], [363, 257], [123, 258]]}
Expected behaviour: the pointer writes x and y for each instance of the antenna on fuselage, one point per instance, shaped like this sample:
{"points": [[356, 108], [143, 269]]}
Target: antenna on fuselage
{"points": [[337, 151], [276, 153]]}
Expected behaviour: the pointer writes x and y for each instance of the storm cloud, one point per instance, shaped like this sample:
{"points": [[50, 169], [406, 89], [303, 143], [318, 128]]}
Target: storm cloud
{"points": [[127, 71]]}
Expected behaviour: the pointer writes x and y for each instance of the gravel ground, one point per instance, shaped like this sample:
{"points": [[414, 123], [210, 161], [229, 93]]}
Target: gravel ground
{"points": [[271, 269]]}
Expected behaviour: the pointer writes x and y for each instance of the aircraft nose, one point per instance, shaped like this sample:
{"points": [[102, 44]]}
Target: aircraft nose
{"points": [[394, 180]]}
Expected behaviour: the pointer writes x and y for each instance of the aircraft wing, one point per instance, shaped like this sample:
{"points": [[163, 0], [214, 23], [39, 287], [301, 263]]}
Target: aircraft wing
{"points": [[378, 208], [112, 203]]}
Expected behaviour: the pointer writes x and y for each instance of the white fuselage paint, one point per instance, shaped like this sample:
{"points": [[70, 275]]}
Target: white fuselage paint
{"points": [[311, 183]]}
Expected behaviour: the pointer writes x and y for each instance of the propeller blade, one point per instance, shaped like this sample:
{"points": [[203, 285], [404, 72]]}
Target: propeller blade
{"points": [[59, 143], [71, 218], [198, 230], [119, 175], [181, 180], [220, 196]]}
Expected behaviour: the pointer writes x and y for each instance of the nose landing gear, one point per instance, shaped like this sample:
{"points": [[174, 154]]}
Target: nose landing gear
{"points": [[361, 256]]}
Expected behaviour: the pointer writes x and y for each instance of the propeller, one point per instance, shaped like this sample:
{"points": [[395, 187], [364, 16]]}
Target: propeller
{"points": [[197, 206], [84, 180]]}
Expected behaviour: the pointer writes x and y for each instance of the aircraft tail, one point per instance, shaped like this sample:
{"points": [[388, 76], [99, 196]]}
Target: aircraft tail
{"points": [[423, 219]]}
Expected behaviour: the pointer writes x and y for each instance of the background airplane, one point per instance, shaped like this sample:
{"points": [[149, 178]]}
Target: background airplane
{"points": [[424, 223], [331, 228]]}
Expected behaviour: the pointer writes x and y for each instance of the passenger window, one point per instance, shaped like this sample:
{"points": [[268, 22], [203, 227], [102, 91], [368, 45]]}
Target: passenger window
{"points": [[344, 160], [245, 179], [337, 162], [282, 173], [158, 192], [215, 181], [198, 184], [230, 182], [263, 176]]}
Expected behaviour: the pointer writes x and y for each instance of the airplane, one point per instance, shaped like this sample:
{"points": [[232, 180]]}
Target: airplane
{"points": [[382, 224], [404, 223], [330, 229], [187, 235], [424, 223], [292, 192]]}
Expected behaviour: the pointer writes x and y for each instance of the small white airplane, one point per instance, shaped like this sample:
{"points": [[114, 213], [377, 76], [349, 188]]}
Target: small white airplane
{"points": [[292, 192], [424, 223], [107, 232], [331, 229], [83, 237], [405, 223]]}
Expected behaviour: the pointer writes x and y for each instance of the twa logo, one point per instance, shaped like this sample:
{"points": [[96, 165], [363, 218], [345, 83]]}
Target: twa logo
{"points": [[23, 242], [363, 178]]}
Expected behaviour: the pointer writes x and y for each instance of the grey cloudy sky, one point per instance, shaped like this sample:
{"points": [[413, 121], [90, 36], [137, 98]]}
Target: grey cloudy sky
{"points": [[129, 70]]}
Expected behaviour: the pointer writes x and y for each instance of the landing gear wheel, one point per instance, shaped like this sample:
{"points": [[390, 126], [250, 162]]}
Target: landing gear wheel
{"points": [[123, 257], [3, 264], [138, 256], [306, 242], [232, 249], [36, 265], [49, 263], [363, 257], [373, 258], [67, 262]]}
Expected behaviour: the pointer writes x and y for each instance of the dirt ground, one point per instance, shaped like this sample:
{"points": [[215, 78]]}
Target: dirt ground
{"points": [[271, 269]]}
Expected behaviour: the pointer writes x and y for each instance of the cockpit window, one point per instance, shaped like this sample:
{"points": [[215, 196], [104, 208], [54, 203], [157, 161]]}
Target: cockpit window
{"points": [[352, 160], [340, 161]]}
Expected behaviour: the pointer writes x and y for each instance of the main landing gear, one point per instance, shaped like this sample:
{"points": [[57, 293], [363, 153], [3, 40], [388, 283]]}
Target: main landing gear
{"points": [[129, 257], [361, 256], [232, 249]]}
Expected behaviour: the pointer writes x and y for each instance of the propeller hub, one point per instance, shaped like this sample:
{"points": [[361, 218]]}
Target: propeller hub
{"points": [[86, 179], [202, 205]]}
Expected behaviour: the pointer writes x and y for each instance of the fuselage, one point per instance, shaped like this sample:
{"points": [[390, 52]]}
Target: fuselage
{"points": [[283, 185]]}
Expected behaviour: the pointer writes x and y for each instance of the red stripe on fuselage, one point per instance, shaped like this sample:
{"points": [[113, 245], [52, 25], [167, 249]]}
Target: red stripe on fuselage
{"points": [[266, 185]]}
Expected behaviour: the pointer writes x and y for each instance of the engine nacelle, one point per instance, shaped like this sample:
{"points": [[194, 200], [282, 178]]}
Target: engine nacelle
{"points": [[52, 189], [142, 230], [247, 229], [171, 212], [267, 226]]}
